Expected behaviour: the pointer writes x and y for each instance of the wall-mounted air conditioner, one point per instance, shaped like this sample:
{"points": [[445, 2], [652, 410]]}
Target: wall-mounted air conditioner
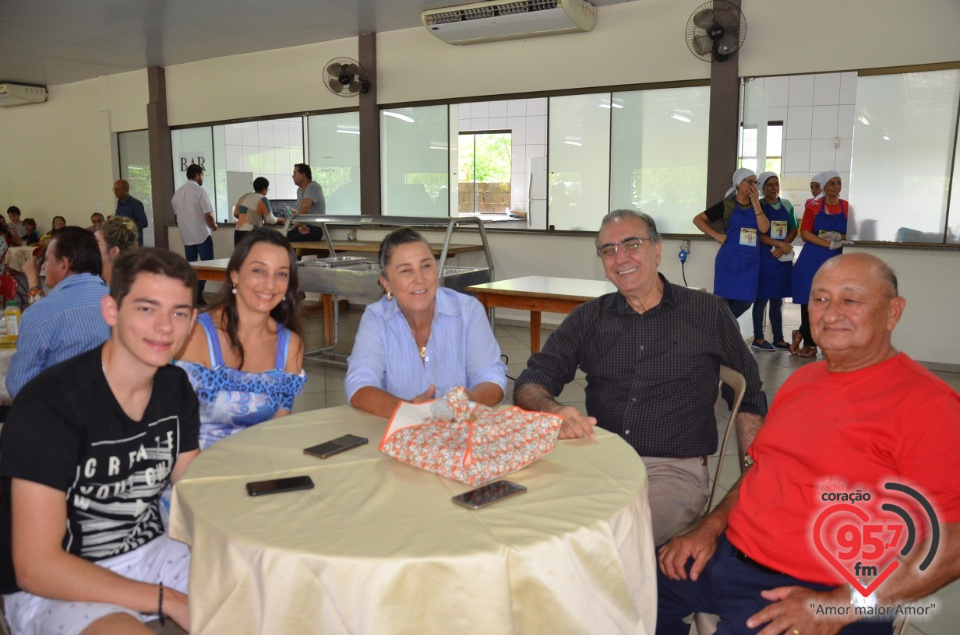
{"points": [[508, 19], [19, 94]]}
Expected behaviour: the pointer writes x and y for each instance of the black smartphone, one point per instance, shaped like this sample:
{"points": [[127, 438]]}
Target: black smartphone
{"points": [[341, 444], [277, 485], [487, 494]]}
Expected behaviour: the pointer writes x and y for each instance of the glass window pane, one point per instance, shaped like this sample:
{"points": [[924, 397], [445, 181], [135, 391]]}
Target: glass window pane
{"points": [[774, 140], [414, 155], [953, 219], [485, 164], [579, 160], [466, 171], [748, 142], [903, 146], [335, 159], [134, 150], [659, 154]]}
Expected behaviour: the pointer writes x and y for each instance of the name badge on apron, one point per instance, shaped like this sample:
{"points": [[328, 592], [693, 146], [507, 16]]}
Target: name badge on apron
{"points": [[748, 236], [778, 229]]}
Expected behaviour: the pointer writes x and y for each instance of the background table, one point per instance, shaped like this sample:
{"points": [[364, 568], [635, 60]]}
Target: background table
{"points": [[540, 293], [378, 547]]}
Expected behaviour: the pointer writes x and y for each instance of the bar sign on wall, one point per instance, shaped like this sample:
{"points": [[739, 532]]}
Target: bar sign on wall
{"points": [[192, 157]]}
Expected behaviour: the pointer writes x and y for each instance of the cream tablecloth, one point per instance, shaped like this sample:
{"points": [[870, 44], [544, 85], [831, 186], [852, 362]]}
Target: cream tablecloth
{"points": [[18, 256], [377, 547]]}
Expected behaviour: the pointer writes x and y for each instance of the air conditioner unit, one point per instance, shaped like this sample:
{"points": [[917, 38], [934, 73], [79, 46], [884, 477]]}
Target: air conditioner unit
{"points": [[19, 94], [508, 19]]}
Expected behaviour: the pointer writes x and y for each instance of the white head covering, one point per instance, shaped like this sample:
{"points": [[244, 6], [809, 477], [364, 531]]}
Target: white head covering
{"points": [[816, 178], [829, 174], [764, 177], [738, 178], [826, 176]]}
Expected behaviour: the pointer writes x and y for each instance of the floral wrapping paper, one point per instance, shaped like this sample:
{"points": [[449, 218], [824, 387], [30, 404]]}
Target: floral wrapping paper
{"points": [[466, 441]]}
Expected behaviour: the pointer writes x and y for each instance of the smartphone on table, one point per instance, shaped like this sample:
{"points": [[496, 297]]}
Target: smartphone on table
{"points": [[277, 485], [336, 446], [488, 494]]}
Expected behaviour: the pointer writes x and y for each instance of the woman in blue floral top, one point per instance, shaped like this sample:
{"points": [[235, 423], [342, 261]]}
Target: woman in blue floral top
{"points": [[245, 355]]}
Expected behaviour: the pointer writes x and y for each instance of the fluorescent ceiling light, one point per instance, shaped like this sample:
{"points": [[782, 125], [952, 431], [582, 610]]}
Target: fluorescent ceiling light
{"points": [[348, 131], [397, 115], [573, 143], [863, 119], [680, 117], [886, 137]]}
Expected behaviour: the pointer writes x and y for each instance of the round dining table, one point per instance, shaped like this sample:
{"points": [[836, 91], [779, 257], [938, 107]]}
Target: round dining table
{"points": [[378, 547]]}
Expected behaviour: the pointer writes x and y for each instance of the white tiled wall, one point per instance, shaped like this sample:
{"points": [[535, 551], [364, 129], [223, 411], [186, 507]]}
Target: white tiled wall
{"points": [[267, 148], [817, 111], [526, 119]]}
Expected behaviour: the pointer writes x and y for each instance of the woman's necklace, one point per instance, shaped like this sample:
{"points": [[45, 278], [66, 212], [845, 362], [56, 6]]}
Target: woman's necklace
{"points": [[423, 352]]}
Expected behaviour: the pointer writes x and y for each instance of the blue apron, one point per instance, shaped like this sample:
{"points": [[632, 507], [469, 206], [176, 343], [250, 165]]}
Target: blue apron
{"points": [[737, 268], [775, 276], [813, 256]]}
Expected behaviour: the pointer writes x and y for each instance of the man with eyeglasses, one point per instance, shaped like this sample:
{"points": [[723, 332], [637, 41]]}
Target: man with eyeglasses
{"points": [[651, 354]]}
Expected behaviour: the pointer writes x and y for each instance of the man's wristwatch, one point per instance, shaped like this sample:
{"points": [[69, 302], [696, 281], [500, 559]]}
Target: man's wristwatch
{"points": [[747, 461]]}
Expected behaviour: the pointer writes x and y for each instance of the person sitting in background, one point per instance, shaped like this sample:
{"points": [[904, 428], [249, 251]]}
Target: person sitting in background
{"points": [[59, 222], [253, 210], [115, 237], [13, 212], [32, 236], [245, 356], [88, 447], [775, 270], [418, 341], [736, 272], [867, 416], [824, 233], [68, 322], [96, 220], [309, 201]]}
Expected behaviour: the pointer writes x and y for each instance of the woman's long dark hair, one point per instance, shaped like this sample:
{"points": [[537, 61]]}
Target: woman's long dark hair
{"points": [[286, 313]]}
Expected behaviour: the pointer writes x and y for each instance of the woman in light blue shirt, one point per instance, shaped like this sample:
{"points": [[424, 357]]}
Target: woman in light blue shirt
{"points": [[418, 341]]}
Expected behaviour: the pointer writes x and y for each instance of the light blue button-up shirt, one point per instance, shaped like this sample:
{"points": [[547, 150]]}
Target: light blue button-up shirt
{"points": [[462, 350], [62, 325]]}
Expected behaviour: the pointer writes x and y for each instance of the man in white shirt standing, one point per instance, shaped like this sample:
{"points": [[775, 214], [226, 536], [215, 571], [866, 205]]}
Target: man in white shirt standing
{"points": [[195, 217]]}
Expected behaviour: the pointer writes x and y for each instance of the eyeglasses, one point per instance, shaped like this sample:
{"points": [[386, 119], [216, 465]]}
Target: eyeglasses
{"points": [[629, 244]]}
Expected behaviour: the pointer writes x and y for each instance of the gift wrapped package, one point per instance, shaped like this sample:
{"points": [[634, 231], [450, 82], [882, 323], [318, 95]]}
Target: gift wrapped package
{"points": [[466, 441]]}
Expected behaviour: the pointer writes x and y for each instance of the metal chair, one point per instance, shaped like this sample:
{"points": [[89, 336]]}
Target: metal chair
{"points": [[736, 382], [706, 623]]}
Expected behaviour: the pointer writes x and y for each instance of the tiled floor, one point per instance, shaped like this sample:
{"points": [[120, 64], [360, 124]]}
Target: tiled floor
{"points": [[324, 388]]}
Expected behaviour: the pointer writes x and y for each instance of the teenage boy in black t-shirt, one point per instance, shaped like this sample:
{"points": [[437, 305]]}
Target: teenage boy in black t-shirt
{"points": [[88, 447]]}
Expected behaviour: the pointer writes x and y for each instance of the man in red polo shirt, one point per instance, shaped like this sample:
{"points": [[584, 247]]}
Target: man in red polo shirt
{"points": [[775, 556]]}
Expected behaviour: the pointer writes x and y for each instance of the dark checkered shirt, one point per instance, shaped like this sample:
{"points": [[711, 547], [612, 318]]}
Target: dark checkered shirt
{"points": [[651, 377]]}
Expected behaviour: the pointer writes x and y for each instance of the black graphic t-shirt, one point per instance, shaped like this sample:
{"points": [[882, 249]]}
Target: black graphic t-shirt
{"points": [[66, 430]]}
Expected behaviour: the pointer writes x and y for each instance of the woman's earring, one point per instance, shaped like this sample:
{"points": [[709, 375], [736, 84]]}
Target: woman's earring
{"points": [[234, 291], [389, 296]]}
